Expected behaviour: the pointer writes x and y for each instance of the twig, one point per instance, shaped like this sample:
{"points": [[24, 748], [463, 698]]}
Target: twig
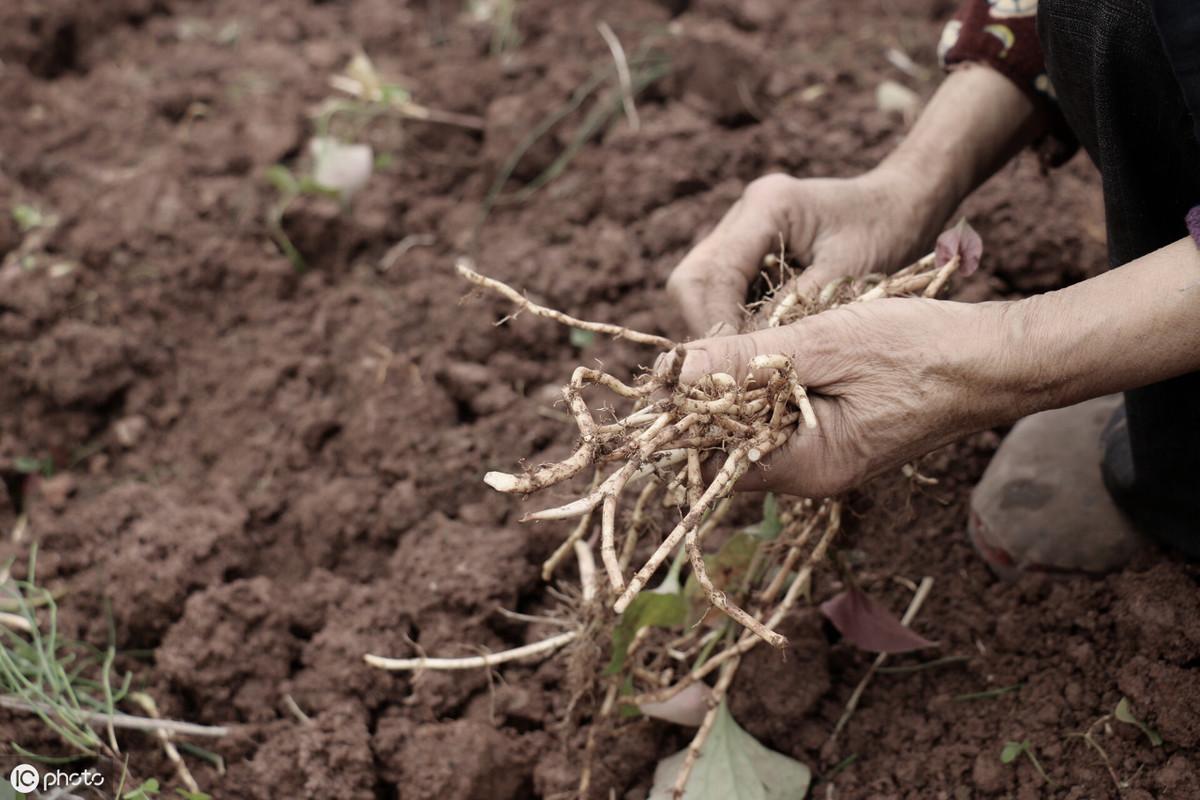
{"points": [[15, 621], [297, 711], [623, 76], [466, 269], [150, 707], [474, 662], [913, 607], [119, 720]]}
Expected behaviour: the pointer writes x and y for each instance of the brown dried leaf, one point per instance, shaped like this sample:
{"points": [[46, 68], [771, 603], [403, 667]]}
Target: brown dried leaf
{"points": [[868, 625]]}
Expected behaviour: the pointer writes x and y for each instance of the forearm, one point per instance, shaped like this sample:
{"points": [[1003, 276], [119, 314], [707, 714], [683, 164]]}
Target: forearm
{"points": [[1132, 326], [976, 121]]}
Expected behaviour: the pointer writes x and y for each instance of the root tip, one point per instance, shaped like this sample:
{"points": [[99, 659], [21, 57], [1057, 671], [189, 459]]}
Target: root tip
{"points": [[502, 481]]}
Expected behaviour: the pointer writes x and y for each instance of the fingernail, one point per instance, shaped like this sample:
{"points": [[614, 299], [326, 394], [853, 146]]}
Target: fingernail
{"points": [[696, 364]]}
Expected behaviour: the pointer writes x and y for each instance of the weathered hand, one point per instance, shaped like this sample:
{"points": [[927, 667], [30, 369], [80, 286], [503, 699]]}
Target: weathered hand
{"points": [[889, 381], [834, 226]]}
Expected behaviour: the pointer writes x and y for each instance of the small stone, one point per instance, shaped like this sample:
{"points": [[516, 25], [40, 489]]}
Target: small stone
{"points": [[130, 430], [989, 774]]}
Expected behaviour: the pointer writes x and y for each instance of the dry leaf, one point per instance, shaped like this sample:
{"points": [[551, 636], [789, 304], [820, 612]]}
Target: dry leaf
{"points": [[869, 626]]}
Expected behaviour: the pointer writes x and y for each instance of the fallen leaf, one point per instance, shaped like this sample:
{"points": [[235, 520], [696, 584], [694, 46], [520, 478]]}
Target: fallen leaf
{"points": [[868, 625], [686, 708], [771, 525], [648, 608], [961, 240], [733, 766]]}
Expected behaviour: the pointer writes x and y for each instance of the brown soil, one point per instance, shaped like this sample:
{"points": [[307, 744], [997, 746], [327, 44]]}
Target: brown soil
{"points": [[267, 474]]}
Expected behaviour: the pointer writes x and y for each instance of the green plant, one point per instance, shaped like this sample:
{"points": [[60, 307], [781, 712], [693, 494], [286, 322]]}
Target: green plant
{"points": [[289, 188], [64, 683], [1124, 713], [1014, 750], [28, 217], [502, 16], [71, 686], [31, 465], [659, 663]]}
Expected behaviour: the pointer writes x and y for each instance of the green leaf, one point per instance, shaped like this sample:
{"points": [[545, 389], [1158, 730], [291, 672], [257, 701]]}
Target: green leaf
{"points": [[771, 525], [1125, 714], [282, 179], [581, 338], [27, 217], [143, 792], [1012, 750], [648, 608], [28, 465], [733, 766], [184, 793]]}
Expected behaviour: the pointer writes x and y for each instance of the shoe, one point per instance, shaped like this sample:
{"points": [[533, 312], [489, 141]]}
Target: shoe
{"points": [[1042, 504]]}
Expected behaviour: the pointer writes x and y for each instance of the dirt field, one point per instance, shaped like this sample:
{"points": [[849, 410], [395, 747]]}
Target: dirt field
{"points": [[266, 474]]}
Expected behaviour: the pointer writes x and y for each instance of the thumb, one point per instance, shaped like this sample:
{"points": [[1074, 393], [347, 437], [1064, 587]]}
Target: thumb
{"points": [[733, 354], [813, 279]]}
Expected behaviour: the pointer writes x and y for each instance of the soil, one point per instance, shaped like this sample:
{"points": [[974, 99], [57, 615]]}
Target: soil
{"points": [[260, 474]]}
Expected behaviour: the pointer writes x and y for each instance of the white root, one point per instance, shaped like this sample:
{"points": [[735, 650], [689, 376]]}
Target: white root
{"points": [[534, 650], [466, 268], [119, 720], [735, 466], [587, 571]]}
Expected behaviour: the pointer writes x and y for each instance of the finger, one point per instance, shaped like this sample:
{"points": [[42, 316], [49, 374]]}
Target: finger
{"points": [[800, 467], [812, 280], [710, 284], [733, 354]]}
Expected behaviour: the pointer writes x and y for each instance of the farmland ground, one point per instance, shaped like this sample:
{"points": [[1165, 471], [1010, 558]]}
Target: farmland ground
{"points": [[267, 474]]}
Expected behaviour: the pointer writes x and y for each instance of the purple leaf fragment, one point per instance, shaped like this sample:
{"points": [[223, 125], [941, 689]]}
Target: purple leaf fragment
{"points": [[868, 625], [961, 241], [686, 708]]}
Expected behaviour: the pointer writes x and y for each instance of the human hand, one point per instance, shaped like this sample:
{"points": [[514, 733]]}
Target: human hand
{"points": [[889, 380], [872, 223]]}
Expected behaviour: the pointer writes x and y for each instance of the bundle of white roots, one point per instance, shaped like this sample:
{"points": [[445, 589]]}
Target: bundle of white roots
{"points": [[654, 454], [672, 428]]}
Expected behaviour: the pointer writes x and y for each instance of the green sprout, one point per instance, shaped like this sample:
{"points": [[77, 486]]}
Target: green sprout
{"points": [[1125, 714], [28, 217], [1013, 750], [65, 683]]}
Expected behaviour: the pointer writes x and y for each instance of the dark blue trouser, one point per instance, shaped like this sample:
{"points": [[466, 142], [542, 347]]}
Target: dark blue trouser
{"points": [[1118, 93]]}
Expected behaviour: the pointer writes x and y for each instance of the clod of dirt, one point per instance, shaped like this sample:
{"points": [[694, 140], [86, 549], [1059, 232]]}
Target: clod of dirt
{"points": [[79, 363], [233, 649], [765, 699], [456, 760], [1160, 610], [164, 556], [1165, 697], [717, 73], [507, 125], [751, 15], [329, 757]]}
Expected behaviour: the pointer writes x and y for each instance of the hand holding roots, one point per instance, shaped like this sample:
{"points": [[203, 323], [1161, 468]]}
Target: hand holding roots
{"points": [[671, 427], [667, 431]]}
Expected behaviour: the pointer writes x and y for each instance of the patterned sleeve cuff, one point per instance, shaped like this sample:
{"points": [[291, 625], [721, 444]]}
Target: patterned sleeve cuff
{"points": [[1003, 35], [1193, 224]]}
